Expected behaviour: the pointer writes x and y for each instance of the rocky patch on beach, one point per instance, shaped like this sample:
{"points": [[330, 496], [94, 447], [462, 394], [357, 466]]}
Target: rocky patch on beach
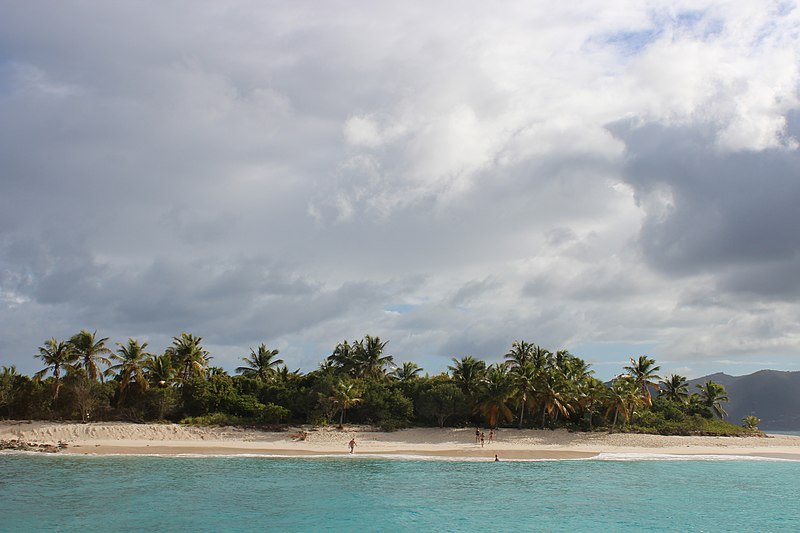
{"points": [[23, 446]]}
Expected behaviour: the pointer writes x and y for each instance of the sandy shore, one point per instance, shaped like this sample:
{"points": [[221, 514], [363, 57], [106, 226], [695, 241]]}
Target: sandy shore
{"points": [[172, 439]]}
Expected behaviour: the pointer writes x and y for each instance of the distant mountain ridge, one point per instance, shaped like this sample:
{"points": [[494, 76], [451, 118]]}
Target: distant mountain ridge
{"points": [[771, 395]]}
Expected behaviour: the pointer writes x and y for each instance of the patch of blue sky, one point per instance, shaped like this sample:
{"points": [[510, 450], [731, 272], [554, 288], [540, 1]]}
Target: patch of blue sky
{"points": [[608, 358], [400, 308], [633, 42]]}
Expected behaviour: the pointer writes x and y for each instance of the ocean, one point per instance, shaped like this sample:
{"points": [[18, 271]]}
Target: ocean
{"points": [[41, 492]]}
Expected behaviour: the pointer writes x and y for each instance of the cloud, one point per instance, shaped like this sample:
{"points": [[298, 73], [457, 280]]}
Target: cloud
{"points": [[285, 174]]}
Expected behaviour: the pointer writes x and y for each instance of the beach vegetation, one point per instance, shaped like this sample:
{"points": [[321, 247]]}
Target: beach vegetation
{"points": [[529, 387], [751, 422]]}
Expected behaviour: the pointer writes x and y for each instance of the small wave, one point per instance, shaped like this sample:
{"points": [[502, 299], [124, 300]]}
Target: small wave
{"points": [[681, 457]]}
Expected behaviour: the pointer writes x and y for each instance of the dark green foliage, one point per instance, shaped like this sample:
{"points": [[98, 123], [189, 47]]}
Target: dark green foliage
{"points": [[384, 404], [441, 402]]}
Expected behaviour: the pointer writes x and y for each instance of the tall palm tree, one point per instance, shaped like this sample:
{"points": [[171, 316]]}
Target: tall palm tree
{"points": [[541, 357], [643, 371], [713, 395], [406, 372], [90, 351], [675, 388], [467, 374], [188, 355], [58, 356], [345, 395], [623, 397], [525, 379], [496, 392], [521, 352], [261, 363], [132, 359], [370, 359]]}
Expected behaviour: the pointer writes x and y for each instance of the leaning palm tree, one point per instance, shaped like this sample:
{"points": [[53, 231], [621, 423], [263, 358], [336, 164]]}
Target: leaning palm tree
{"points": [[554, 394], [713, 395], [261, 363], [643, 371], [58, 356], [675, 388], [496, 392], [132, 359], [344, 395], [189, 357], [90, 351]]}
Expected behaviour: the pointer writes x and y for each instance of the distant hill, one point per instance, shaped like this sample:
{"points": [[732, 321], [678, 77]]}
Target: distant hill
{"points": [[771, 395]]}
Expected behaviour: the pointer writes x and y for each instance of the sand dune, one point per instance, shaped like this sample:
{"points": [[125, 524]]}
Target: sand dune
{"points": [[127, 438]]}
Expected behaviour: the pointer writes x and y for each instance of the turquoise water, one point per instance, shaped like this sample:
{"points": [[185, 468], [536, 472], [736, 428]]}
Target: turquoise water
{"points": [[124, 493]]}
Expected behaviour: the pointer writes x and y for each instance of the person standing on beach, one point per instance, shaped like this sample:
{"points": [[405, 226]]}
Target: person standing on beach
{"points": [[352, 445], [477, 435], [491, 436], [482, 439]]}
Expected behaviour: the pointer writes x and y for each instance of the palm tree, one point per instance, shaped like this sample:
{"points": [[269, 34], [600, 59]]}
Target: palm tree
{"points": [[644, 374], [554, 394], [496, 391], [467, 374], [713, 395], [7, 376], [525, 378], [90, 350], [521, 352], [283, 375], [541, 357], [261, 363], [623, 396], [407, 372], [58, 356], [369, 357], [188, 356], [589, 396], [344, 395], [132, 359], [675, 388], [160, 370], [343, 358]]}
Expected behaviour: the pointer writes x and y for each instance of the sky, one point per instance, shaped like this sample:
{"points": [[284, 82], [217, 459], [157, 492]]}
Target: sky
{"points": [[616, 179]]}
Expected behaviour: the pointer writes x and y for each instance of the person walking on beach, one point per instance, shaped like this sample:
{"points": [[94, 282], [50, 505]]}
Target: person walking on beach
{"points": [[352, 445], [491, 436], [477, 435], [482, 439]]}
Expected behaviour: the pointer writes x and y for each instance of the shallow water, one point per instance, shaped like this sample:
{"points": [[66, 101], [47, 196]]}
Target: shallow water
{"points": [[41, 492]]}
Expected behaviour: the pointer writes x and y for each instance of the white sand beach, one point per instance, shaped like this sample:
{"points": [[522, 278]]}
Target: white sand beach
{"points": [[173, 439]]}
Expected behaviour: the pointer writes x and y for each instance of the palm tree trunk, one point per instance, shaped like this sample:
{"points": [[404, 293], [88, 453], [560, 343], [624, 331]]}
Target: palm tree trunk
{"points": [[544, 412], [521, 412]]}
